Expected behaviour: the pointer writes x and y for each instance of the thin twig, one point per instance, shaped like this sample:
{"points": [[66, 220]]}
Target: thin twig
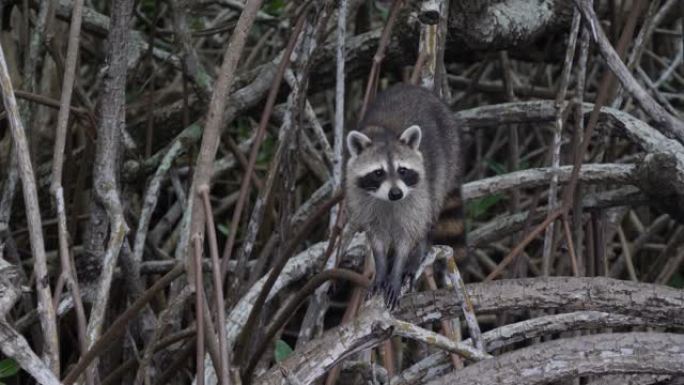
{"points": [[261, 132], [651, 21], [289, 310], [423, 57], [557, 136], [466, 305], [355, 300], [571, 247], [33, 56], [279, 167], [192, 65], [118, 327], [199, 308], [513, 138], [280, 264], [47, 101], [603, 95], [626, 252], [153, 344], [372, 84], [260, 206], [57, 166], [214, 121], [46, 311], [578, 99], [149, 134], [409, 330], [338, 143], [447, 327], [669, 124], [14, 345], [318, 304], [218, 288], [151, 196]]}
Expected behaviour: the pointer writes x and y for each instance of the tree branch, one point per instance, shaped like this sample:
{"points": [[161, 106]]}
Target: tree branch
{"points": [[547, 362], [46, 311]]}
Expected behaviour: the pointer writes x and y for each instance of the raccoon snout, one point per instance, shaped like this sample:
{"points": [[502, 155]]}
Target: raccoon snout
{"points": [[395, 194]]}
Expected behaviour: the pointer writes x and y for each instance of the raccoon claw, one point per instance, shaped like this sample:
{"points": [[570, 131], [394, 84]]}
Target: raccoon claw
{"points": [[407, 281], [388, 292], [376, 288], [391, 298]]}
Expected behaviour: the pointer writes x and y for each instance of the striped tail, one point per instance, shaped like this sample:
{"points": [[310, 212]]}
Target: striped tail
{"points": [[450, 228]]}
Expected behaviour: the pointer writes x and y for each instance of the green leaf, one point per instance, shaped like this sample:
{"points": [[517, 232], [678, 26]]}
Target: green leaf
{"points": [[677, 281], [196, 24], [383, 9], [223, 229], [243, 127], [8, 368], [500, 169], [147, 7], [274, 7], [267, 150], [282, 350], [497, 167], [479, 207]]}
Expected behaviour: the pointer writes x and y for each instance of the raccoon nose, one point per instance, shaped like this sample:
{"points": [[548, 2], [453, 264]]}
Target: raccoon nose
{"points": [[395, 194]]}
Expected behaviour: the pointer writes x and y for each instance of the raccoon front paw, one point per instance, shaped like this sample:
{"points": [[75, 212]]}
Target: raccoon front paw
{"points": [[378, 287], [391, 297], [407, 281], [387, 290]]}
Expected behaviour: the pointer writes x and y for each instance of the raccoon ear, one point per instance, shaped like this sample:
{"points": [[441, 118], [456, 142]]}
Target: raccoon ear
{"points": [[411, 136], [356, 142]]}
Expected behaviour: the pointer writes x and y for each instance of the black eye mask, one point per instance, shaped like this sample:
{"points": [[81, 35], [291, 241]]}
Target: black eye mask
{"points": [[371, 181], [409, 177]]}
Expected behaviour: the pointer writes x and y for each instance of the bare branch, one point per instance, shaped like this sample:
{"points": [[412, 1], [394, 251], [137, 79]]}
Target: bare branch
{"points": [[437, 365], [669, 124], [602, 353], [652, 302], [15, 345], [46, 311], [68, 271], [107, 159], [214, 123], [371, 327], [557, 135]]}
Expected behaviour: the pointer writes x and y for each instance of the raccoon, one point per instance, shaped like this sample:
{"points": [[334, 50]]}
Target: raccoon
{"points": [[404, 160]]}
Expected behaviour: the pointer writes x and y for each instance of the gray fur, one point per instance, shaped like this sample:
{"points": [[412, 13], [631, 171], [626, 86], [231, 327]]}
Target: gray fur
{"points": [[399, 228]]}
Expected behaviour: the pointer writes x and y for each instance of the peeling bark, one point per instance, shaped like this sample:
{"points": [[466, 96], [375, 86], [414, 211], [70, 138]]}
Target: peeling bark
{"points": [[649, 301], [574, 357]]}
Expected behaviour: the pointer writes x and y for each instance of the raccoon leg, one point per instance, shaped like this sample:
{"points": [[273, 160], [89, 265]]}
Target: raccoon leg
{"points": [[415, 259], [401, 256], [379, 249]]}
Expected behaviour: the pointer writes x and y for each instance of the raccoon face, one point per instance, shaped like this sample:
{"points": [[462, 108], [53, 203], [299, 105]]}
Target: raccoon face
{"points": [[387, 168]]}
